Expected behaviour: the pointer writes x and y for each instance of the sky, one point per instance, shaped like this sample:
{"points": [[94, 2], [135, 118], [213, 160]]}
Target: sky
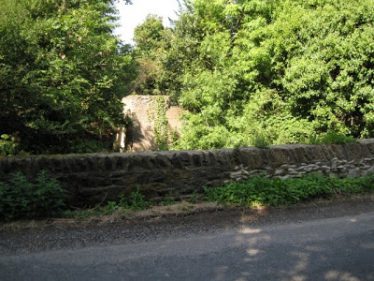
{"points": [[135, 14]]}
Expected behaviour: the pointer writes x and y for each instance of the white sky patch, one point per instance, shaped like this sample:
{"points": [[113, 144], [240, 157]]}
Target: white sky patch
{"points": [[133, 15]]}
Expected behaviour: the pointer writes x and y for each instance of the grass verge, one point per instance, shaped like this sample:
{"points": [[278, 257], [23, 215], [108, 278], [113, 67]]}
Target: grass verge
{"points": [[277, 192]]}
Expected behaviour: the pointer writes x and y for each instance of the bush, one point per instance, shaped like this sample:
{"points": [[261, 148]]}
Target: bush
{"points": [[277, 192], [22, 198]]}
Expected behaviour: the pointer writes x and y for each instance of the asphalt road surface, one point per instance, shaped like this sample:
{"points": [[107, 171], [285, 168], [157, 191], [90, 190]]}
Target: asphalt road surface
{"points": [[332, 244]]}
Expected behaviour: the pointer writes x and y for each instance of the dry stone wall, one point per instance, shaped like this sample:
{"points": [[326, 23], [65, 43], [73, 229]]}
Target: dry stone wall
{"points": [[94, 178]]}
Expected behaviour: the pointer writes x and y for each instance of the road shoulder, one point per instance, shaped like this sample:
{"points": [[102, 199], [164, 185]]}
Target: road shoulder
{"points": [[175, 221]]}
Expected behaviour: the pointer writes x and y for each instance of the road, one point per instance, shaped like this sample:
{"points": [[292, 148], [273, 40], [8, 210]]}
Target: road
{"points": [[329, 243]]}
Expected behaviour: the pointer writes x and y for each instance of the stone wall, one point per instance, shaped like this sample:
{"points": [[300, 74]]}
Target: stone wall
{"points": [[94, 178]]}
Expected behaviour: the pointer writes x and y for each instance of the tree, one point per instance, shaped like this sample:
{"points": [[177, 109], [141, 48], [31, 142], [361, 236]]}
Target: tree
{"points": [[152, 42], [62, 72], [283, 69], [149, 36]]}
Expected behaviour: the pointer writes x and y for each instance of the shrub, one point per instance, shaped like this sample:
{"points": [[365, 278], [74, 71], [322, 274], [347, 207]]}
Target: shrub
{"points": [[8, 146], [22, 198], [335, 138]]}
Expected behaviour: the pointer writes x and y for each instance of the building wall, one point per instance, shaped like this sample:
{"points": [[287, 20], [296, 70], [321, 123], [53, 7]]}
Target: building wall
{"points": [[141, 110]]}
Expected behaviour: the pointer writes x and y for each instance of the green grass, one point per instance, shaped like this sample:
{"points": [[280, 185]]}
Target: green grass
{"points": [[277, 192]]}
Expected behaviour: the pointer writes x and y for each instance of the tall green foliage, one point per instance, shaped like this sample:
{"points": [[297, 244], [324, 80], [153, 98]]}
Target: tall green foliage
{"points": [[22, 198], [278, 68], [62, 72], [152, 44], [160, 124]]}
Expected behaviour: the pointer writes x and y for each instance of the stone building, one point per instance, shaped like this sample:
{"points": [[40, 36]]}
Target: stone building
{"points": [[140, 136]]}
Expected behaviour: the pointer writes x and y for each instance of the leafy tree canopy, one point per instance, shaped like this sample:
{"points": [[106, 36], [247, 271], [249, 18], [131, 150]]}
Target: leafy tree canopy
{"points": [[279, 68], [62, 72], [152, 45]]}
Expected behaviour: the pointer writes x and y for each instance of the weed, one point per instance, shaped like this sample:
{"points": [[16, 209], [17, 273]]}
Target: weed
{"points": [[135, 201], [110, 207]]}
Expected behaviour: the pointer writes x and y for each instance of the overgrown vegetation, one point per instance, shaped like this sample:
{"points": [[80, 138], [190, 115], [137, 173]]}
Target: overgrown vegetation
{"points": [[248, 72], [22, 198], [281, 69], [160, 124], [43, 197], [277, 192]]}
